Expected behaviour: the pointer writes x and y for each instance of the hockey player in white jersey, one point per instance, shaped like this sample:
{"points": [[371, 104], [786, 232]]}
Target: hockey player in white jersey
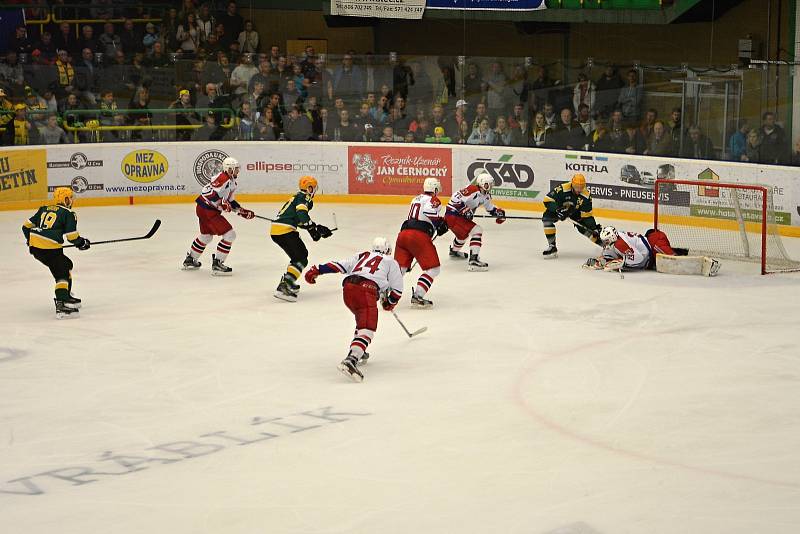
{"points": [[215, 198], [414, 242], [370, 276], [458, 217]]}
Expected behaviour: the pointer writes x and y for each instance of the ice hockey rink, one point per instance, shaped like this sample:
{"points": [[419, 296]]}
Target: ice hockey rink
{"points": [[544, 398]]}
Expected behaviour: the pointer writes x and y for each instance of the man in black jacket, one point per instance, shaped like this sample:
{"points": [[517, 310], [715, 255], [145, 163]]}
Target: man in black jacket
{"points": [[569, 134]]}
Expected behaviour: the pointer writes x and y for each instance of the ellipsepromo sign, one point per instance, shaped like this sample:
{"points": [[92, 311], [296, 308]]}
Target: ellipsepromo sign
{"points": [[387, 9], [493, 5]]}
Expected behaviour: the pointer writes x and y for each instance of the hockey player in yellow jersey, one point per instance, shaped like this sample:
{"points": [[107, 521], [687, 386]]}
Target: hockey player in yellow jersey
{"points": [[44, 234]]}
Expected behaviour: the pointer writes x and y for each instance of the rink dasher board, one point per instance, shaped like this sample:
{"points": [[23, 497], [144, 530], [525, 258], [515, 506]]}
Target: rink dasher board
{"points": [[169, 172]]}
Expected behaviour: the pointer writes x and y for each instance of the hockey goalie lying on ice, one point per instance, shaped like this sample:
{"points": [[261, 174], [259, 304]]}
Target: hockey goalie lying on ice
{"points": [[630, 251]]}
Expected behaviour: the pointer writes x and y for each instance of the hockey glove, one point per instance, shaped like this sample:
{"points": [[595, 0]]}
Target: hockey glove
{"points": [[225, 206], [312, 274], [614, 265], [82, 243], [562, 213], [500, 215], [387, 304], [594, 263], [247, 214], [442, 228], [313, 232], [466, 213], [324, 231]]}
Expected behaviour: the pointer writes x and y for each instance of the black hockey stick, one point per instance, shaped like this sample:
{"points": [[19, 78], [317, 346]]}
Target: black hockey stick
{"points": [[148, 235], [409, 334], [336, 227], [509, 217], [264, 218]]}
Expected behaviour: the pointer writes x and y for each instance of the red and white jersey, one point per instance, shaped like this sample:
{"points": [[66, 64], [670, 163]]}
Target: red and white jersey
{"points": [[633, 248], [380, 268], [424, 211], [221, 188], [467, 200]]}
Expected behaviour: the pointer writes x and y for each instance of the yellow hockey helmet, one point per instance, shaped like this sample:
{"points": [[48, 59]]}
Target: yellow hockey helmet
{"points": [[578, 182], [63, 196], [308, 184]]}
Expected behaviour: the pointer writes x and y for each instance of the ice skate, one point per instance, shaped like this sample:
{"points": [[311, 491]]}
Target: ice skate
{"points": [[550, 253], [63, 311], [72, 302], [420, 302], [190, 264], [285, 292], [476, 264], [457, 254], [364, 358], [218, 268], [349, 367]]}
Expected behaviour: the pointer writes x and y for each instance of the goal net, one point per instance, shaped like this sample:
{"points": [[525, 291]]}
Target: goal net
{"points": [[727, 220]]}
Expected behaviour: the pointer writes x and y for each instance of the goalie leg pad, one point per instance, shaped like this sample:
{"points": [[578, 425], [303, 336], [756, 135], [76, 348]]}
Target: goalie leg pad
{"points": [[696, 265], [711, 266]]}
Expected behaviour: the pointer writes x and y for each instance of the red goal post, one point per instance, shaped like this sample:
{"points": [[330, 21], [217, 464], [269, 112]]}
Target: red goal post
{"points": [[722, 219]]}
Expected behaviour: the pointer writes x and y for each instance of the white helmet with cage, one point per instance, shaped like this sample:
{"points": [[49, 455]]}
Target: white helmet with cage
{"points": [[230, 165], [380, 244], [609, 235], [485, 181], [432, 185]]}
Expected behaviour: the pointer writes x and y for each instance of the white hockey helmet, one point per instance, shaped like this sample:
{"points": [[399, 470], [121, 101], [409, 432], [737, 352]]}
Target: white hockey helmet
{"points": [[380, 244], [484, 180], [608, 235], [230, 165], [432, 185]]}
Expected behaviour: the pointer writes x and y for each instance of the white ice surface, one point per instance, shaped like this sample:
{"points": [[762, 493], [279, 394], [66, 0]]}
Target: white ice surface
{"points": [[544, 398]]}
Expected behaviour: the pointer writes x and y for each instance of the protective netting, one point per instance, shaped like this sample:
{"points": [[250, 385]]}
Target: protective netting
{"points": [[728, 220]]}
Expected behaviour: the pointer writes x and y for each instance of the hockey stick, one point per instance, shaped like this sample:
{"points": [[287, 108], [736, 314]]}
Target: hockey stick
{"points": [[409, 334], [510, 217], [264, 218], [148, 235], [273, 220], [335, 224]]}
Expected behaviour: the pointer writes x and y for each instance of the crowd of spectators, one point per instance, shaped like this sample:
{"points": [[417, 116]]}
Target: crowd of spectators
{"points": [[203, 74]]}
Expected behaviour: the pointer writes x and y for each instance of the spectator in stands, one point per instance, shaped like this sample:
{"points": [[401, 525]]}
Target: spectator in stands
{"points": [[298, 126], [47, 48], [240, 77], [188, 35], [518, 87], [600, 141], [291, 95], [363, 116], [617, 135], [774, 143], [150, 37], [697, 145], [168, 31], [245, 123], [482, 135], [348, 81], [445, 86], [388, 136], [135, 73], [646, 128], [474, 87], [205, 22], [248, 39], [86, 77], [676, 127], [309, 64], [210, 130], [381, 112], [796, 154], [157, 58], [109, 42], [130, 39], [231, 20], [140, 116], [20, 42], [607, 91], [502, 133], [585, 120], [399, 120], [752, 150], [257, 97], [540, 131], [12, 76], [65, 39], [660, 142], [6, 111], [630, 98], [738, 141], [517, 115], [274, 55], [347, 130], [550, 117], [584, 93], [632, 142], [187, 6], [267, 128], [496, 86], [88, 39], [402, 77], [520, 135], [438, 120], [324, 129], [36, 107], [569, 134], [262, 76], [480, 114], [20, 131], [108, 115], [376, 74], [423, 129], [65, 73], [184, 115], [540, 88], [69, 106], [439, 136], [51, 133]]}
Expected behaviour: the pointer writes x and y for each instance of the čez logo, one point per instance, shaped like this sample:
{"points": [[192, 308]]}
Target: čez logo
{"points": [[502, 171]]}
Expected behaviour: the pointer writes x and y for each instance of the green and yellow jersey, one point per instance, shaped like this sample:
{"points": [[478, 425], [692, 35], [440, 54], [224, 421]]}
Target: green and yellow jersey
{"points": [[293, 214], [563, 196], [49, 226]]}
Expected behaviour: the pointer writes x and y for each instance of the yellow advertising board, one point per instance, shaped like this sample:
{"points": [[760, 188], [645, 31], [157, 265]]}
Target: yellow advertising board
{"points": [[23, 175]]}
